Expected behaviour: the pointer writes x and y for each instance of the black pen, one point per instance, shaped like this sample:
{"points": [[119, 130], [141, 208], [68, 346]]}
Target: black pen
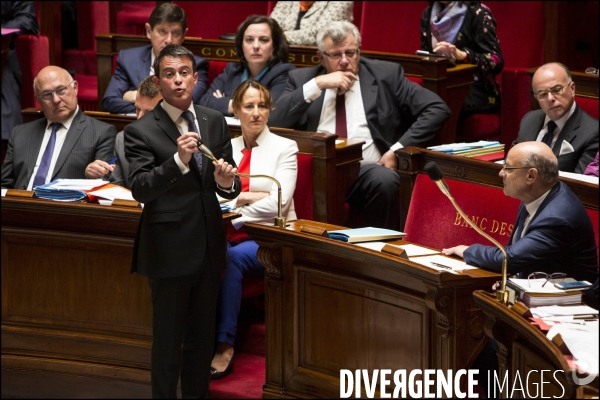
{"points": [[441, 265]]}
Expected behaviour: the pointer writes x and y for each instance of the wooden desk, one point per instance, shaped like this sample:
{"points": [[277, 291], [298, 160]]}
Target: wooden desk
{"points": [[335, 166], [412, 161], [524, 348], [451, 84], [331, 305], [69, 302]]}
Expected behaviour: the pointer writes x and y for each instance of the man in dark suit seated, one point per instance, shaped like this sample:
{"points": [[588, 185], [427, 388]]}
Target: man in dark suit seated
{"points": [[328, 98], [167, 25], [147, 98], [553, 232], [180, 245], [65, 144], [569, 131]]}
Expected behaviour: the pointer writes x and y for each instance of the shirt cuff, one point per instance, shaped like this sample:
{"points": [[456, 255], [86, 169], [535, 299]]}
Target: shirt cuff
{"points": [[396, 146], [182, 167], [311, 91], [231, 190]]}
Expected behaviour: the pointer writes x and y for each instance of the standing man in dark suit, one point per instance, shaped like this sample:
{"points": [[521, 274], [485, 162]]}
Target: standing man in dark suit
{"points": [[180, 244], [65, 144], [569, 131], [167, 25], [328, 99]]}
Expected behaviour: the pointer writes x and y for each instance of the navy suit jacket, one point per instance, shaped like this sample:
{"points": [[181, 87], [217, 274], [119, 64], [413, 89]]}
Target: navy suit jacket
{"points": [[87, 140], [181, 222], [560, 238], [133, 66], [581, 131], [396, 108], [229, 80]]}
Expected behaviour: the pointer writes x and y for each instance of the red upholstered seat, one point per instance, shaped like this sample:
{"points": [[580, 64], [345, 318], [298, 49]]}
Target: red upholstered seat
{"points": [[33, 54], [133, 16], [588, 105], [594, 216], [215, 68], [206, 18], [87, 96], [433, 221]]}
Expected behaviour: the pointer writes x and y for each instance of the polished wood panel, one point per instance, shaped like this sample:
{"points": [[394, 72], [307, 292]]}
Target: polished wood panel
{"points": [[450, 83], [332, 305], [412, 161], [523, 348], [335, 166], [69, 301]]}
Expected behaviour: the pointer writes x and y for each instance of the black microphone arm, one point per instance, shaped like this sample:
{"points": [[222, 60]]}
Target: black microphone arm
{"points": [[435, 174], [279, 219]]}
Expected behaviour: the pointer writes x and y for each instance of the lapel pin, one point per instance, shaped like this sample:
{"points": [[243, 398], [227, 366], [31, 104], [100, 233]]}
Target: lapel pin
{"points": [[204, 118]]}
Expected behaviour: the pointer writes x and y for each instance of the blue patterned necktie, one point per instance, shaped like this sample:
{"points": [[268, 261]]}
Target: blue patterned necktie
{"points": [[550, 134], [189, 117], [42, 172]]}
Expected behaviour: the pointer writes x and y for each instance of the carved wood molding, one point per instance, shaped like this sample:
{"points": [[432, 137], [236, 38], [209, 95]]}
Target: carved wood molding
{"points": [[442, 303], [271, 258]]}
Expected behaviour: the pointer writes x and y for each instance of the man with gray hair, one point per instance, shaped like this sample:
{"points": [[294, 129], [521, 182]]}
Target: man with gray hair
{"points": [[553, 232], [65, 144], [384, 109]]}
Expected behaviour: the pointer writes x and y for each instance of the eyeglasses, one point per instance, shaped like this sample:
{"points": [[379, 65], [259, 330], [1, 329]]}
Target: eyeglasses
{"points": [[556, 91], [349, 54], [504, 167], [60, 92], [556, 277]]}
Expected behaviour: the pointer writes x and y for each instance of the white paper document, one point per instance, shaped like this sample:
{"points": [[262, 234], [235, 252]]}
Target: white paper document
{"points": [[113, 193], [442, 263], [548, 311], [231, 121], [412, 250], [582, 342], [77, 184]]}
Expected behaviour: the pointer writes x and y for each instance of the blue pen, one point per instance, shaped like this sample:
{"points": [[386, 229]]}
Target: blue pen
{"points": [[113, 160]]}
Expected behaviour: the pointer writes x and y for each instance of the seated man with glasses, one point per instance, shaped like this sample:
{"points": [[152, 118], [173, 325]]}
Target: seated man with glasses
{"points": [[383, 108], [569, 131], [553, 232], [65, 144]]}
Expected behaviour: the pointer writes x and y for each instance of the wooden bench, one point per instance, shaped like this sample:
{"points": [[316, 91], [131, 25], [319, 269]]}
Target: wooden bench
{"points": [[451, 84]]}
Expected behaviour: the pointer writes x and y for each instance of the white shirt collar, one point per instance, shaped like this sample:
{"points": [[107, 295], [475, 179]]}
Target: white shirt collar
{"points": [[67, 123], [561, 122], [174, 112], [533, 207]]}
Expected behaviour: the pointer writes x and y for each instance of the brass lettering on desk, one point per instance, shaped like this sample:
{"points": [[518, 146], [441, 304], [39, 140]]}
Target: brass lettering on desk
{"points": [[221, 52], [500, 228], [232, 53], [206, 51]]}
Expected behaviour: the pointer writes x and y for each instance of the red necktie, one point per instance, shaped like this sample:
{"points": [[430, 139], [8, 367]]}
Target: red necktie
{"points": [[340, 116]]}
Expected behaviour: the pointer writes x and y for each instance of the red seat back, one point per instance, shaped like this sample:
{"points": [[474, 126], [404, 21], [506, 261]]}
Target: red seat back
{"points": [[34, 54], [433, 221], [391, 26], [211, 19], [594, 215], [588, 105], [215, 68], [132, 17], [303, 195]]}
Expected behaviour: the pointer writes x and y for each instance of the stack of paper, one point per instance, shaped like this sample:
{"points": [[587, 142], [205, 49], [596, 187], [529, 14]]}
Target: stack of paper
{"points": [[226, 208], [365, 235], [67, 189], [473, 149], [536, 292]]}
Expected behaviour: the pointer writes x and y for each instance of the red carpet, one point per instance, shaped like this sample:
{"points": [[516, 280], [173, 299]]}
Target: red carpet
{"points": [[248, 376]]}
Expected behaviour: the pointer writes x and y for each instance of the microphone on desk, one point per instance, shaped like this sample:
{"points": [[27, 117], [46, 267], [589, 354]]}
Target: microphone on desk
{"points": [[435, 174], [279, 219]]}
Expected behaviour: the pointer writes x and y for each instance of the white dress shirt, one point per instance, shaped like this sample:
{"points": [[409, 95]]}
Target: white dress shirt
{"points": [[559, 126], [182, 125]]}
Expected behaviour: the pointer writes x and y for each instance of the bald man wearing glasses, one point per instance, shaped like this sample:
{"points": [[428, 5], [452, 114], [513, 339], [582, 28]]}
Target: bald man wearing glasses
{"points": [[553, 232], [569, 131], [65, 144]]}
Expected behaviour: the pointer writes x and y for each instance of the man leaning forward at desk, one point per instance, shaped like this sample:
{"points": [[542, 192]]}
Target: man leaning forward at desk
{"points": [[65, 144], [553, 232], [180, 245], [328, 98]]}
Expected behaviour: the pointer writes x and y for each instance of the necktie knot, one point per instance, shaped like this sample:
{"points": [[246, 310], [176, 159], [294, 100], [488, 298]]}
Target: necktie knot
{"points": [[189, 117], [55, 126]]}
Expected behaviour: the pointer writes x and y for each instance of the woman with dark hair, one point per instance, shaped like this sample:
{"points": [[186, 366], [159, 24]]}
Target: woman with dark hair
{"points": [[263, 51], [465, 31], [257, 151]]}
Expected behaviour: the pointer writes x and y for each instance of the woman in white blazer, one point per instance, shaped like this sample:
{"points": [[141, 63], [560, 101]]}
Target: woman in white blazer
{"points": [[257, 151]]}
